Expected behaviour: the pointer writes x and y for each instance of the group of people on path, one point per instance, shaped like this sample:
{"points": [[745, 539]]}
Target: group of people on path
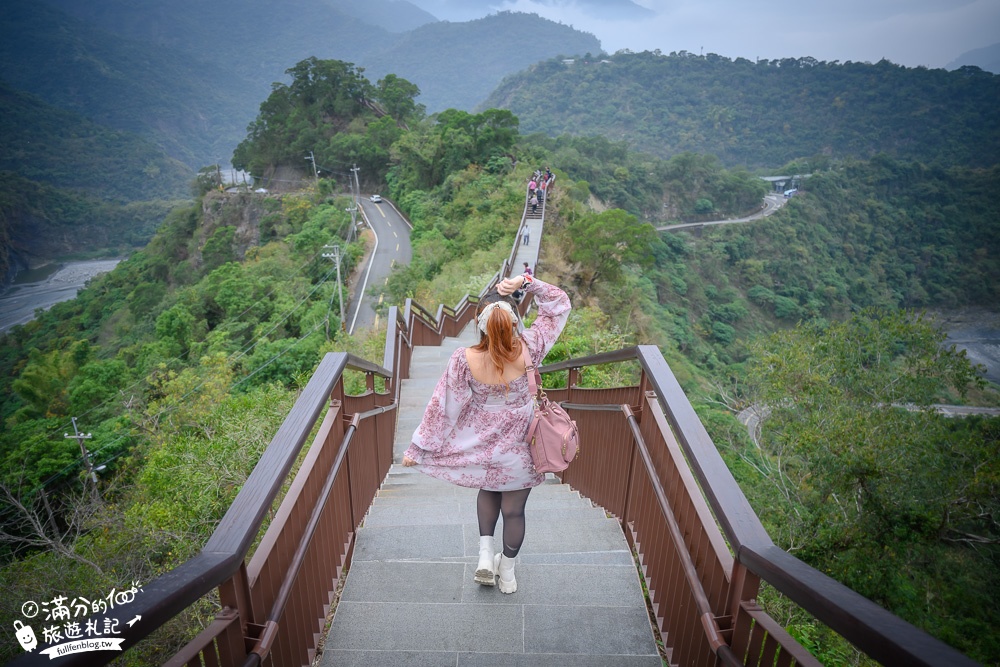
{"points": [[537, 185]]}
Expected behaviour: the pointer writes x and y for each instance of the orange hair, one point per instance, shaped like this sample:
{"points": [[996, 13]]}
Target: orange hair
{"points": [[499, 343]]}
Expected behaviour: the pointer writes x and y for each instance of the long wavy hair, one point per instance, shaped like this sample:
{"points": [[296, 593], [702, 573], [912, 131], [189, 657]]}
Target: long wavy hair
{"points": [[500, 342]]}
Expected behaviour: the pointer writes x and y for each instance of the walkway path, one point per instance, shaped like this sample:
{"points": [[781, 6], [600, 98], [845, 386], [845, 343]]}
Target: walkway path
{"points": [[772, 203], [410, 600]]}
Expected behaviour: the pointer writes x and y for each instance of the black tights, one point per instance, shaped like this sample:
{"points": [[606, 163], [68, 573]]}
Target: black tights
{"points": [[511, 503]]}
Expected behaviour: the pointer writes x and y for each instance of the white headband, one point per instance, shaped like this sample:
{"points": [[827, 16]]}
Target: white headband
{"points": [[484, 317]]}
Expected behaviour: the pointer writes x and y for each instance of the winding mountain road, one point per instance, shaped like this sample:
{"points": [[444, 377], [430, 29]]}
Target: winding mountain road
{"points": [[772, 203], [392, 246]]}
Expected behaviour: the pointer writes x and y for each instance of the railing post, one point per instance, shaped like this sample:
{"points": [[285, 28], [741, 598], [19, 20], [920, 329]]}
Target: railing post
{"points": [[627, 506], [572, 381], [743, 586], [234, 593]]}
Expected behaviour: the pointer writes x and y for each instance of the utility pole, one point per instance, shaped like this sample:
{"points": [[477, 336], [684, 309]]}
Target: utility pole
{"points": [[354, 221], [356, 189], [80, 438], [335, 256], [312, 158]]}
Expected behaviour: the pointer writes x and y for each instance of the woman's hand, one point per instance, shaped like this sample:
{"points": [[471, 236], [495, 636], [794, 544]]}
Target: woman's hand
{"points": [[508, 286], [407, 461]]}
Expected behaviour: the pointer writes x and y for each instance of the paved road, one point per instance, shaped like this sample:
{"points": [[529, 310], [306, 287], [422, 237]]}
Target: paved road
{"points": [[392, 246], [772, 203]]}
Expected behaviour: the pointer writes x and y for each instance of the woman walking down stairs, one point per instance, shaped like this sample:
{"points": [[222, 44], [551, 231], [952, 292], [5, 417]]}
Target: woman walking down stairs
{"points": [[410, 597]]}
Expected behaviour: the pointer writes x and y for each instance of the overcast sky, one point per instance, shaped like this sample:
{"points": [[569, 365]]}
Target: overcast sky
{"points": [[907, 32]]}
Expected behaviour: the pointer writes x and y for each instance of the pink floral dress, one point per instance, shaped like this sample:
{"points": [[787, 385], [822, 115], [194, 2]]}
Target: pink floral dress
{"points": [[472, 434]]}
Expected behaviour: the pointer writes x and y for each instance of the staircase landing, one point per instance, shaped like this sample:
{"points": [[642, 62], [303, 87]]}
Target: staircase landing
{"points": [[410, 600]]}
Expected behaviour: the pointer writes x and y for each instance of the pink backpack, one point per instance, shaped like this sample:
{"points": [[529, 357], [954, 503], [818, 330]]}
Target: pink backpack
{"points": [[553, 437]]}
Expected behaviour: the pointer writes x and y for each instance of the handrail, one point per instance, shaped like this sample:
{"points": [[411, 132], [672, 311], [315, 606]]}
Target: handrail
{"points": [[363, 365], [263, 645], [876, 631], [624, 354], [223, 554], [711, 627]]}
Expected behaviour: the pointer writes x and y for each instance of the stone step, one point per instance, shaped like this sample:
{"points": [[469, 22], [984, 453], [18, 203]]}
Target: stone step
{"points": [[585, 540], [402, 658]]}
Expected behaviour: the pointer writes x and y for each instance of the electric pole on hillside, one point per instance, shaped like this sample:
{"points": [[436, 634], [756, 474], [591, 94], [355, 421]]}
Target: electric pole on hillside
{"points": [[80, 438], [354, 221], [312, 158], [356, 189], [335, 256]]}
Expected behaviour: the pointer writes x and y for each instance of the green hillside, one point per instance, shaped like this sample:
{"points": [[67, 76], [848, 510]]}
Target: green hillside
{"points": [[69, 186], [193, 110], [762, 114], [456, 65], [453, 64], [254, 44], [63, 149]]}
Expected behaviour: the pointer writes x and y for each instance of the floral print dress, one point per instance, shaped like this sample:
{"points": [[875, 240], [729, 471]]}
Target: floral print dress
{"points": [[472, 433]]}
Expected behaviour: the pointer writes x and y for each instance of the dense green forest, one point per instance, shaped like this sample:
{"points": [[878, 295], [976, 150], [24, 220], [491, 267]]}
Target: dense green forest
{"points": [[762, 114], [187, 356], [63, 149], [69, 186], [193, 110]]}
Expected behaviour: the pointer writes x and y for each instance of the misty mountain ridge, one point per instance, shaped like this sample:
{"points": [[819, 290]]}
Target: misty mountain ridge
{"points": [[505, 42], [219, 65], [986, 58], [467, 10]]}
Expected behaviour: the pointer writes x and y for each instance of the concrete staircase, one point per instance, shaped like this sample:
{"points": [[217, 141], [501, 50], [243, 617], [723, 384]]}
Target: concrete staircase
{"points": [[410, 600]]}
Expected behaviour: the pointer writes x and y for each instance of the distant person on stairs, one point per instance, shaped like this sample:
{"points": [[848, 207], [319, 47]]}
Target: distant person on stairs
{"points": [[473, 431]]}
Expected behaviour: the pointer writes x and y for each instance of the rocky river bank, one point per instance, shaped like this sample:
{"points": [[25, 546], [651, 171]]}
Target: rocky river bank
{"points": [[47, 287]]}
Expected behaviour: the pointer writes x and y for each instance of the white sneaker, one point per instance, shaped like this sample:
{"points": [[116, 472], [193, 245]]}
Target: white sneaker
{"points": [[505, 572], [485, 570]]}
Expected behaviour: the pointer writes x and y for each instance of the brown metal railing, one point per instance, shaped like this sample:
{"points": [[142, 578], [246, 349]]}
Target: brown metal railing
{"points": [[702, 549]]}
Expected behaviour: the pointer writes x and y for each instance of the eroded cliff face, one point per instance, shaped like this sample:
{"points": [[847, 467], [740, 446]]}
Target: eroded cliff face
{"points": [[237, 215]]}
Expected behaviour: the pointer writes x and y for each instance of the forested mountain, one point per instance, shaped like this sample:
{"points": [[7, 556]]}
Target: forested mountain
{"points": [[392, 15], [987, 58], [68, 185], [44, 143], [193, 110], [453, 64], [457, 65], [762, 114], [466, 10]]}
